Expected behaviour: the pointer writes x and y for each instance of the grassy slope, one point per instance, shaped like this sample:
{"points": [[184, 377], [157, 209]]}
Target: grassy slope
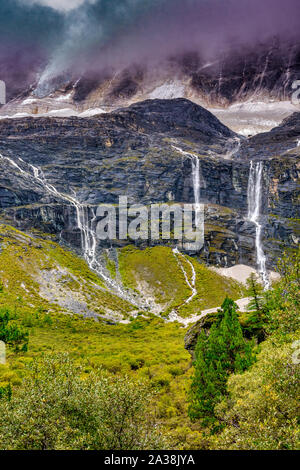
{"points": [[41, 275], [147, 347], [156, 272]]}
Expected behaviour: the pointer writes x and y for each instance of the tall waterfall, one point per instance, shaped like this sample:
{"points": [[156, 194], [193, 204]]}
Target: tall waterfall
{"points": [[196, 185], [196, 180], [85, 223], [196, 189], [254, 213]]}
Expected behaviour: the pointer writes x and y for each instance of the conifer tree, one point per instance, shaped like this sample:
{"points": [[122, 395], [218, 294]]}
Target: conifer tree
{"points": [[221, 353], [256, 292], [257, 310]]}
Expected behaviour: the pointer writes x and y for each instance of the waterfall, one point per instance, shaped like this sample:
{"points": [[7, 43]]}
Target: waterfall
{"points": [[196, 189], [196, 180], [196, 185], [254, 211], [191, 284], [84, 223]]}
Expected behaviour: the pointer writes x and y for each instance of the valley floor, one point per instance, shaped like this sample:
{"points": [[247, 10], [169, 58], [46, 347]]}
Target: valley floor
{"points": [[146, 346]]}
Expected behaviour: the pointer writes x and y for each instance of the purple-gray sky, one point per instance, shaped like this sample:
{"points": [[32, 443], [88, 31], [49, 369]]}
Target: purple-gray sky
{"points": [[47, 37]]}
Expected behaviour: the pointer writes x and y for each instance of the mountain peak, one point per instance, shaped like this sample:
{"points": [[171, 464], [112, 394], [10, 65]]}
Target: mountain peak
{"points": [[175, 116]]}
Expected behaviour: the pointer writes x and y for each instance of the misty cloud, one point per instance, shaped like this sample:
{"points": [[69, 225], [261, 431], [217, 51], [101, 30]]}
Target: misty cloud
{"points": [[75, 36], [60, 5], [115, 31]]}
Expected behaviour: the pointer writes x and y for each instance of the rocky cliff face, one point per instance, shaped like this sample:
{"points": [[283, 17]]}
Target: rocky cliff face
{"points": [[239, 74], [144, 152], [262, 77]]}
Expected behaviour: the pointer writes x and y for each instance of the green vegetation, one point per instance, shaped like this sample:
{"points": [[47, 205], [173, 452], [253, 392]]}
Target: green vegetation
{"points": [[57, 409], [258, 315], [147, 350], [10, 333], [261, 410], [235, 402], [283, 301], [223, 352], [156, 273], [38, 274], [111, 267]]}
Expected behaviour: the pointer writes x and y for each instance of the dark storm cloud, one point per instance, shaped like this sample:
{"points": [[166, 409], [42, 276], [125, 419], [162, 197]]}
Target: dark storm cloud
{"points": [[28, 35], [116, 32], [112, 33], [25, 23]]}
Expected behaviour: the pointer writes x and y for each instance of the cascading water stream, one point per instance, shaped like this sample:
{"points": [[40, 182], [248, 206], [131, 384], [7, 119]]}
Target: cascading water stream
{"points": [[88, 234], [196, 180], [191, 283], [196, 188], [254, 207]]}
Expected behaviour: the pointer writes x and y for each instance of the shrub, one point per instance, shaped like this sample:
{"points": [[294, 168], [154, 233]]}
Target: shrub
{"points": [[262, 411], [218, 355], [56, 408], [11, 333], [283, 301]]}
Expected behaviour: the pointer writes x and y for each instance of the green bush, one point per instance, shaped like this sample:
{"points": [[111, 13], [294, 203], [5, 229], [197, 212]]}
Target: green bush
{"points": [[11, 333], [283, 301], [56, 408], [262, 410], [218, 355]]}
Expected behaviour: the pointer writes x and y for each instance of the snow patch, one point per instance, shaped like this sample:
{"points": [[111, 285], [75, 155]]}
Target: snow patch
{"points": [[64, 97], [168, 91], [65, 112], [91, 112], [29, 101], [253, 117]]}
